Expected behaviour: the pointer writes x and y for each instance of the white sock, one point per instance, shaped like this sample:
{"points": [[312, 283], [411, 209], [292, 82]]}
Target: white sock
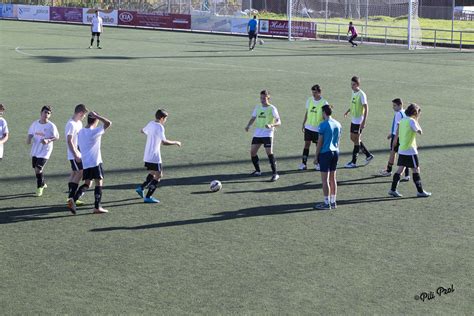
{"points": [[326, 199], [333, 199]]}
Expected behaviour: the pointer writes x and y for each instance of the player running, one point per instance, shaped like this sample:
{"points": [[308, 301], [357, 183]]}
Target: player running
{"points": [[267, 118], [89, 141], [312, 118], [408, 151], [41, 135], [155, 137], [353, 31], [359, 112], [327, 154]]}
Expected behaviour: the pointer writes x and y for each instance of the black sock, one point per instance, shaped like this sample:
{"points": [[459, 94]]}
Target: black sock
{"points": [[98, 42], [305, 155], [80, 192], [417, 180], [72, 189], [97, 196], [365, 150], [389, 167], [149, 177], [271, 159], [92, 41], [152, 188], [255, 163], [355, 153], [39, 180], [396, 179], [407, 172]]}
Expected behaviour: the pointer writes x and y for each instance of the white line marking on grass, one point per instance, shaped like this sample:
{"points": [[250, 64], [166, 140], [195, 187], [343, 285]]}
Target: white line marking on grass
{"points": [[21, 52]]}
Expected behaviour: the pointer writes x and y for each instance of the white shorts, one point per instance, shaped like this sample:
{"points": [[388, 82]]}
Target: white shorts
{"points": [[1, 151]]}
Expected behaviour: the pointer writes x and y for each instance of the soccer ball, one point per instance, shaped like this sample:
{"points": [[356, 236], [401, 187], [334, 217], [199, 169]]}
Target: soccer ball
{"points": [[215, 186], [261, 42]]}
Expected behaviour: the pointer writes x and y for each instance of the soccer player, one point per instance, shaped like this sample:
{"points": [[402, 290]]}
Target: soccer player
{"points": [[327, 154], [3, 130], [359, 111], [89, 141], [96, 28], [397, 105], [408, 152], [73, 126], [41, 135], [155, 136], [312, 118], [353, 32], [252, 30], [267, 118]]}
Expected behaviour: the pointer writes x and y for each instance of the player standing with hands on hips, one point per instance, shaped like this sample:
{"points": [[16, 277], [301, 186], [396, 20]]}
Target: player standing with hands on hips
{"points": [[96, 28]]}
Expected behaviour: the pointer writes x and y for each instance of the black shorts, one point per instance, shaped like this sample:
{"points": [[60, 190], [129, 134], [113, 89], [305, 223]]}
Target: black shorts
{"points": [[252, 34], [96, 33], [355, 128], [153, 166], [310, 136], [38, 162], [395, 149], [409, 161], [75, 166], [353, 37], [266, 141], [328, 161], [93, 173]]}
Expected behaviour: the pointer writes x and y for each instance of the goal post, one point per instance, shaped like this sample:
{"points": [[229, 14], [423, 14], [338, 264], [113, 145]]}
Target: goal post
{"points": [[413, 29]]}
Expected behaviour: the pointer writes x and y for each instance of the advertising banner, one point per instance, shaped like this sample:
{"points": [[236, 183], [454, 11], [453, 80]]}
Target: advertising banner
{"points": [[280, 28], [65, 14], [32, 12], [239, 25], [6, 10], [211, 23], [110, 17], [164, 20]]}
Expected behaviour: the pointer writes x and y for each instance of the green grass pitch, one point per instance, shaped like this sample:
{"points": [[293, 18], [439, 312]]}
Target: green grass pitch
{"points": [[256, 247]]}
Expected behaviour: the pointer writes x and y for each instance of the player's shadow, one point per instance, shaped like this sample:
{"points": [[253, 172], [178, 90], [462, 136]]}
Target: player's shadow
{"points": [[10, 215], [16, 196]]}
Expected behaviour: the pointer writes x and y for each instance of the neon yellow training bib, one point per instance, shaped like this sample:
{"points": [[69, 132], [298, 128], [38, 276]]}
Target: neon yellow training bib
{"points": [[314, 112], [356, 106], [264, 116], [406, 135]]}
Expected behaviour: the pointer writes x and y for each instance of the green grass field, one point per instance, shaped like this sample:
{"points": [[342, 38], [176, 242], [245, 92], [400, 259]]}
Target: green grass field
{"points": [[256, 247]]}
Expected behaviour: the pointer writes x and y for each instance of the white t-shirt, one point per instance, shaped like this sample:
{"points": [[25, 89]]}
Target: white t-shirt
{"points": [[3, 131], [40, 132], [265, 132], [155, 134], [396, 119], [363, 100], [411, 151], [97, 24], [307, 126], [89, 140], [72, 128]]}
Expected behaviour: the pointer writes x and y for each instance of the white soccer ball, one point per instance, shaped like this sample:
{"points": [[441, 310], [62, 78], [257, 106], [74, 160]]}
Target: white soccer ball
{"points": [[261, 42], [215, 186]]}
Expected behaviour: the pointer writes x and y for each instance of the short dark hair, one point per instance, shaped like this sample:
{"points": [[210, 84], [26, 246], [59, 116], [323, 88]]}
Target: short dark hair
{"points": [[327, 109], [2, 107], [356, 79], [316, 88], [91, 118], [350, 22], [412, 109], [254, 16], [160, 114], [80, 108], [398, 101], [265, 92], [47, 108]]}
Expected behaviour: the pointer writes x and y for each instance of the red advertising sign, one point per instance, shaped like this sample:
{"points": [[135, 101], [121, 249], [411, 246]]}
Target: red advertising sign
{"points": [[280, 28], [65, 14], [165, 20]]}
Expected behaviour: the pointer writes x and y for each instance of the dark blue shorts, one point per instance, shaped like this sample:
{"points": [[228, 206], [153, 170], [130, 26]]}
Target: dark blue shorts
{"points": [[328, 161]]}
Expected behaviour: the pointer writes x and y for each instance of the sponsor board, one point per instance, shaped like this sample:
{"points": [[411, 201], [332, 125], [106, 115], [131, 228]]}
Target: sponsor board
{"points": [[109, 17], [65, 14], [280, 28], [239, 25], [211, 23], [32, 12], [6, 11], [164, 20]]}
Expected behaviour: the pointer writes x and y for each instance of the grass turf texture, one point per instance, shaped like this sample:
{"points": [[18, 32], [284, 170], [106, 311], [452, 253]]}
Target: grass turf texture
{"points": [[256, 246]]}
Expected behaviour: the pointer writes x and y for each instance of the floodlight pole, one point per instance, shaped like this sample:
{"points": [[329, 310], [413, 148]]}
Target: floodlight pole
{"points": [[290, 17], [452, 20]]}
